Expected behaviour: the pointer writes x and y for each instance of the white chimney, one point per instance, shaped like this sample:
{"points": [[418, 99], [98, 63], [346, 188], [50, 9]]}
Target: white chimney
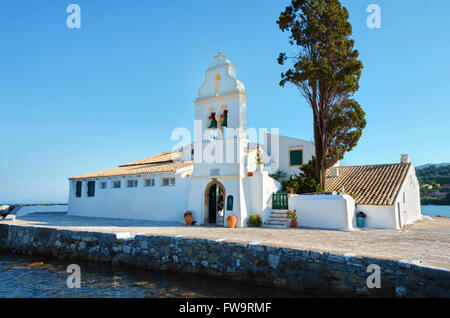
{"points": [[334, 172], [404, 158]]}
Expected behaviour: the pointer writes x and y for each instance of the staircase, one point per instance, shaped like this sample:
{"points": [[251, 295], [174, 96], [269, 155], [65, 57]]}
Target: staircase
{"points": [[277, 219]]}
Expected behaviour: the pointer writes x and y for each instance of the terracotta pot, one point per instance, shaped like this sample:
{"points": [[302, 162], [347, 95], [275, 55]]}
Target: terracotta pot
{"points": [[250, 174], [231, 221], [188, 219], [293, 223]]}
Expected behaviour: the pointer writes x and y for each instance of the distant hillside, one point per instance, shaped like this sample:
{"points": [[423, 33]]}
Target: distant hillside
{"points": [[434, 174], [433, 164]]}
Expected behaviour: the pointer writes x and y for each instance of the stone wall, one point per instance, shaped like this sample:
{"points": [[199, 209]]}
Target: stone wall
{"points": [[267, 265]]}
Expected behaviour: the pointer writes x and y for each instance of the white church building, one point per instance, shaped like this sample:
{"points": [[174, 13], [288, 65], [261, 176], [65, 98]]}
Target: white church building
{"points": [[222, 173]]}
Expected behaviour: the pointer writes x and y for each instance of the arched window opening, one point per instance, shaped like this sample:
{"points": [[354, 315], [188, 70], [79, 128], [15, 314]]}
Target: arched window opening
{"points": [[216, 85]]}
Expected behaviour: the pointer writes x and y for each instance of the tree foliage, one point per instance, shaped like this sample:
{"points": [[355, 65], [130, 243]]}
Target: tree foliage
{"points": [[326, 71], [304, 182]]}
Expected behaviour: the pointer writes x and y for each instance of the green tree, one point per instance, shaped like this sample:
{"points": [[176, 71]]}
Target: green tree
{"points": [[304, 182], [326, 71]]}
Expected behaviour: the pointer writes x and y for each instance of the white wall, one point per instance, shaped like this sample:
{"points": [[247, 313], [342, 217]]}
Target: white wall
{"points": [[258, 190], [280, 153], [388, 217], [335, 212], [159, 203], [233, 186], [379, 216], [409, 199]]}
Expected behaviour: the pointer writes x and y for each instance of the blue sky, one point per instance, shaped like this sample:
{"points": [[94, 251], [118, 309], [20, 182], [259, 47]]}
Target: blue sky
{"points": [[75, 101]]}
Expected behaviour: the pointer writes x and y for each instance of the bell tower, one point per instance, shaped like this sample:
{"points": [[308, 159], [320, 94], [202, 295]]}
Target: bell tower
{"points": [[220, 146], [221, 101]]}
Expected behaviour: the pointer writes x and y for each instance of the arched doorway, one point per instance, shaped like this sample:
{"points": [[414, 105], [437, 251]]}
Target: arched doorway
{"points": [[214, 203]]}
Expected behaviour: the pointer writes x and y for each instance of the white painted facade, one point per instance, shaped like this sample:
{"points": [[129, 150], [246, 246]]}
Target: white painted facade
{"points": [[405, 210], [222, 161], [224, 178], [334, 212], [278, 148]]}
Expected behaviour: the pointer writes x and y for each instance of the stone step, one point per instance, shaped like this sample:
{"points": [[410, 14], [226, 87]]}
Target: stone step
{"points": [[276, 222], [279, 219], [279, 211], [275, 226]]}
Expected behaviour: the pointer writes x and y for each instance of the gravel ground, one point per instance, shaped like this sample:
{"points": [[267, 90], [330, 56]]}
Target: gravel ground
{"points": [[427, 240]]}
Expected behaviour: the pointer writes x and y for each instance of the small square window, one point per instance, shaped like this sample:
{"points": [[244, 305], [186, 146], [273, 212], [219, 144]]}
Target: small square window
{"points": [[103, 185], [149, 183], [295, 157], [167, 182], [116, 184], [132, 183]]}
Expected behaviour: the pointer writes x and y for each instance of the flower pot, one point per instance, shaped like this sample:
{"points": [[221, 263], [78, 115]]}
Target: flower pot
{"points": [[188, 219], [293, 223], [249, 173], [231, 221]]}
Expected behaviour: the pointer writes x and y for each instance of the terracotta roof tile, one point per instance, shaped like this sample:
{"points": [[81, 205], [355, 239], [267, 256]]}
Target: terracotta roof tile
{"points": [[162, 162], [371, 185], [159, 158], [139, 169]]}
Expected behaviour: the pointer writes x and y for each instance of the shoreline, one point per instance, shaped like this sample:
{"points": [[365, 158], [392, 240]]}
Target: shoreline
{"points": [[254, 263]]}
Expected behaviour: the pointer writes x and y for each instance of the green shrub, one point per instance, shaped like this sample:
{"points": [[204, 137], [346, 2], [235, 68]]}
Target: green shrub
{"points": [[299, 185], [254, 221]]}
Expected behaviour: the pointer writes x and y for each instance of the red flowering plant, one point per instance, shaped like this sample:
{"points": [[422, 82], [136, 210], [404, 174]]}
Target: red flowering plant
{"points": [[187, 213], [292, 215]]}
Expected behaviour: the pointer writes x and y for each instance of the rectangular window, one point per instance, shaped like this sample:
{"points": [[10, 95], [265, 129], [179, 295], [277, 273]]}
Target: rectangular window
{"points": [[91, 188], [132, 183], [116, 184], [149, 183], [295, 157], [167, 182], [78, 186], [103, 185]]}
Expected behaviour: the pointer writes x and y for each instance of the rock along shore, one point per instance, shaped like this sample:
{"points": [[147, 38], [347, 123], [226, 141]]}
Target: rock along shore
{"points": [[266, 265]]}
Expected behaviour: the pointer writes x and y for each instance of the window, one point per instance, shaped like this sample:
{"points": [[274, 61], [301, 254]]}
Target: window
{"points": [[167, 182], [78, 186], [116, 184], [132, 183], [91, 188], [103, 185], [149, 183], [295, 157]]}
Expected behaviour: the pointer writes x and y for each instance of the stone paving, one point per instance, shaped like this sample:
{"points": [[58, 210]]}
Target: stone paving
{"points": [[427, 241]]}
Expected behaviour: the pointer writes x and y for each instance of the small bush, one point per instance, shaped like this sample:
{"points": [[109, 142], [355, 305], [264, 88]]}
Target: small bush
{"points": [[254, 221]]}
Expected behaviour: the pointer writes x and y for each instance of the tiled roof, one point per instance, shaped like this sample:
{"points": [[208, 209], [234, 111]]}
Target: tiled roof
{"points": [[159, 158], [138, 169], [162, 162], [371, 185]]}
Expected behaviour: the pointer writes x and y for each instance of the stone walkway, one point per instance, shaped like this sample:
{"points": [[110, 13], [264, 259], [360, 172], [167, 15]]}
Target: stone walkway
{"points": [[427, 241]]}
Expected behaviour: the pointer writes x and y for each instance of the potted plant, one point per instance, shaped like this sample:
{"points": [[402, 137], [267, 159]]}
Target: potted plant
{"points": [[231, 221], [254, 221], [250, 174], [292, 215], [188, 217]]}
